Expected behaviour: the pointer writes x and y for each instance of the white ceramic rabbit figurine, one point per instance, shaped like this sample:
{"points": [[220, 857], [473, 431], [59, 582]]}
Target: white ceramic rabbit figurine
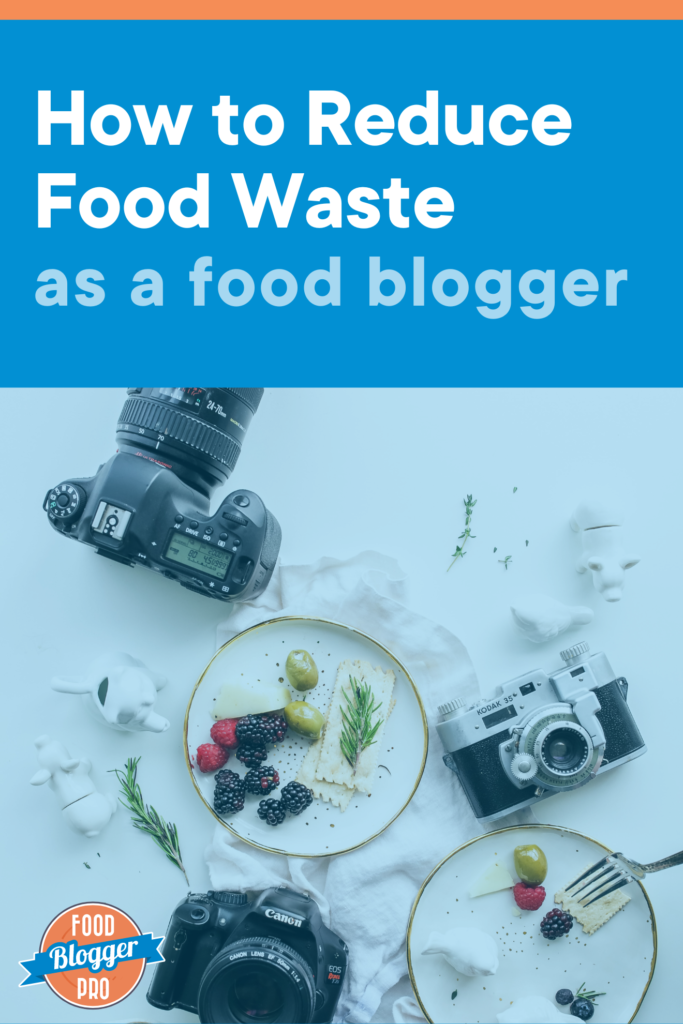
{"points": [[121, 691], [83, 808], [543, 618], [604, 551], [469, 950]]}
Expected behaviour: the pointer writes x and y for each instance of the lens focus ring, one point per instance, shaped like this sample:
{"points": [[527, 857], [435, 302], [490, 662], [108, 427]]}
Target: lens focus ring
{"points": [[151, 415]]}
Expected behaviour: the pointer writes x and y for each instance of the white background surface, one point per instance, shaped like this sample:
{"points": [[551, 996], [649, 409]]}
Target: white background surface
{"points": [[343, 470]]}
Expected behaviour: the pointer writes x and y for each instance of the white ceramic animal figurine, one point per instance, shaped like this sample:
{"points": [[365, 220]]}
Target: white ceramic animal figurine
{"points": [[83, 808], [604, 551], [121, 691], [543, 618], [469, 950]]}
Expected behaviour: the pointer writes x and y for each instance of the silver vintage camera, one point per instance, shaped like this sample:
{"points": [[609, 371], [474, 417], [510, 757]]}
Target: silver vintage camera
{"points": [[540, 734]]}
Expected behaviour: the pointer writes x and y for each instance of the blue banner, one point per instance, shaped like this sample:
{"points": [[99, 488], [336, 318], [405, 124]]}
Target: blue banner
{"points": [[96, 956]]}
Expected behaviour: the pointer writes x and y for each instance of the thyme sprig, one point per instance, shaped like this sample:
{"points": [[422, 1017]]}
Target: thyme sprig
{"points": [[358, 730], [469, 502], [164, 834]]}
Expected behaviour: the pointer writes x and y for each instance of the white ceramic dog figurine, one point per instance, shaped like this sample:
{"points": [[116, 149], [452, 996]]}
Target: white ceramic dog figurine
{"points": [[83, 808], [604, 551], [543, 618], [121, 691]]}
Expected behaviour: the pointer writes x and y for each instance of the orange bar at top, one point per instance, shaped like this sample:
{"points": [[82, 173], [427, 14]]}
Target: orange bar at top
{"points": [[282, 10]]}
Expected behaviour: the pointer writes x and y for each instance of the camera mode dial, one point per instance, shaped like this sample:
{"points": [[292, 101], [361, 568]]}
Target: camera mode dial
{"points": [[574, 652], [65, 501]]}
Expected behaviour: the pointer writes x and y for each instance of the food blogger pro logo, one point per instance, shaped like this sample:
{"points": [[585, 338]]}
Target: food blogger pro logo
{"points": [[92, 955]]}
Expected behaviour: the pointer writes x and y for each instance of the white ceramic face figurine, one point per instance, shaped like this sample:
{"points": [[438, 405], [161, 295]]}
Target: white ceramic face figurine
{"points": [[83, 808], [121, 691], [469, 950], [542, 618], [604, 550]]}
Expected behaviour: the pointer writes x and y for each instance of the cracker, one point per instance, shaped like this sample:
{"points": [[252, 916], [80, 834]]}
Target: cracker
{"points": [[338, 796], [332, 765], [598, 913]]}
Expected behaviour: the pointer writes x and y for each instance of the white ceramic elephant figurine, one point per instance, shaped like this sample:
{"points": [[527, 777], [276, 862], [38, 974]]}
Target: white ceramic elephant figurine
{"points": [[120, 691], [543, 618], [83, 808], [604, 550]]}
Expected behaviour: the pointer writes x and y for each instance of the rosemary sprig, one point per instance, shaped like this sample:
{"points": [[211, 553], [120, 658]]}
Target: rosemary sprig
{"points": [[358, 731], [469, 502], [164, 834], [585, 994]]}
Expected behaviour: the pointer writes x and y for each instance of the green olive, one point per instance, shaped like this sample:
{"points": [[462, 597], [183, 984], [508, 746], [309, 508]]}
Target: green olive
{"points": [[302, 671], [530, 864], [304, 719]]}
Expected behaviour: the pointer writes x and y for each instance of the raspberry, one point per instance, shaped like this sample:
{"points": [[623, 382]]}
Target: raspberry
{"points": [[210, 756], [528, 897], [223, 733], [555, 924]]}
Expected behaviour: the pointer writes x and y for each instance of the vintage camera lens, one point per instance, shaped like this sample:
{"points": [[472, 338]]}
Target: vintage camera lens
{"points": [[242, 984], [196, 432], [565, 750]]}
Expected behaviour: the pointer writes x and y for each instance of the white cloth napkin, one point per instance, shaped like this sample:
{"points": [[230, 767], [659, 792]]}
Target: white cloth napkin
{"points": [[366, 896]]}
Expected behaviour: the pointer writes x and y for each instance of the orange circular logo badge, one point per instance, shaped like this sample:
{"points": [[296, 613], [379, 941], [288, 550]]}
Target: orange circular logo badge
{"points": [[92, 955]]}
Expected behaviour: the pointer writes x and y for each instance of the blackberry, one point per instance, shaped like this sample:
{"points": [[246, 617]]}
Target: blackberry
{"points": [[251, 756], [555, 924], [273, 728], [263, 780], [228, 797], [296, 797], [272, 812], [564, 996], [582, 1008], [248, 731]]}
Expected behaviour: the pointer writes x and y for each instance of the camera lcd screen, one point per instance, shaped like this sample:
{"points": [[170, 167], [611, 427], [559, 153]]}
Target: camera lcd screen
{"points": [[196, 554]]}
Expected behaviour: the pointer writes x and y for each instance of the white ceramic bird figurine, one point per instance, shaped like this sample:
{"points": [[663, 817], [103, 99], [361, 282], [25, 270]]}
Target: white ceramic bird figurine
{"points": [[542, 618], [469, 950], [533, 1010], [83, 808], [121, 691]]}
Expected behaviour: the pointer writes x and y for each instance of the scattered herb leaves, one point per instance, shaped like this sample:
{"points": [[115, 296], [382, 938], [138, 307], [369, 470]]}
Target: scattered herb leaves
{"points": [[454, 994], [164, 834], [85, 864], [494, 550], [505, 561], [358, 731], [514, 490], [469, 502], [526, 542]]}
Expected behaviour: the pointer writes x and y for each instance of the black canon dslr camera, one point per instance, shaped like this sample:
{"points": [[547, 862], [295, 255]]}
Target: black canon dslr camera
{"points": [[150, 503], [229, 958]]}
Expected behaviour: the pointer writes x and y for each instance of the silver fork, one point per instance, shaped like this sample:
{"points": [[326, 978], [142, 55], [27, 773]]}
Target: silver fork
{"points": [[615, 870]]}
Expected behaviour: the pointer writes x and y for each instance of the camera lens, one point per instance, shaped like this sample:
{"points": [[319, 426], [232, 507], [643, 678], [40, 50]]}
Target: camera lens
{"points": [[565, 750], [196, 432], [257, 981]]}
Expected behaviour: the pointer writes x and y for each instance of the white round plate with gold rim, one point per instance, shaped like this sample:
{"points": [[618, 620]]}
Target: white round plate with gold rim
{"points": [[618, 959], [321, 830]]}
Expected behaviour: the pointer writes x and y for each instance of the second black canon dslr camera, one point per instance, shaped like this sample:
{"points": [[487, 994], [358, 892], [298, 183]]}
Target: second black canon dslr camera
{"points": [[149, 505], [269, 960]]}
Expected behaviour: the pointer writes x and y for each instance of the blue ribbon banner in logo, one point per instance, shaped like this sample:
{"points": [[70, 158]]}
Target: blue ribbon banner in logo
{"points": [[98, 956]]}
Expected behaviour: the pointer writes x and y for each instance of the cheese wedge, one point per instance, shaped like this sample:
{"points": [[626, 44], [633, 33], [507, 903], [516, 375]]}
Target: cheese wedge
{"points": [[493, 880], [332, 765]]}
